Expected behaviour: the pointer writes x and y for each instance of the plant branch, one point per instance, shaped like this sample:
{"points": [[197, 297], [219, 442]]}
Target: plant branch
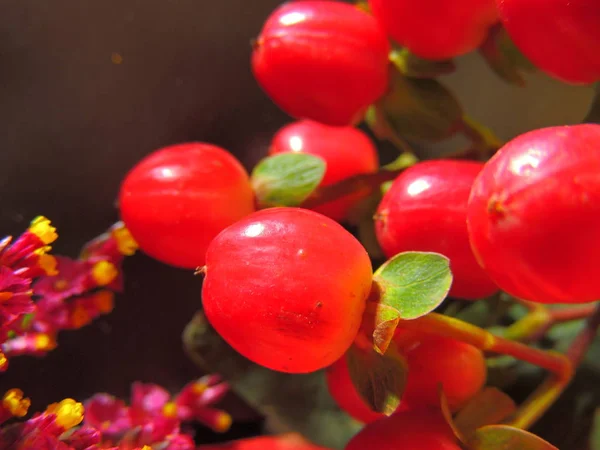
{"points": [[544, 396], [361, 182]]}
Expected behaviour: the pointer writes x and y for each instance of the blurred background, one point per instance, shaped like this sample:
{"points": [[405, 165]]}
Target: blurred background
{"points": [[88, 88]]}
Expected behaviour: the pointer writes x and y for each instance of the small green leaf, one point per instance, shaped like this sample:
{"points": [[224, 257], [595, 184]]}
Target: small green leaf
{"points": [[417, 109], [488, 407], [379, 379], [286, 179], [504, 437], [410, 65], [414, 283]]}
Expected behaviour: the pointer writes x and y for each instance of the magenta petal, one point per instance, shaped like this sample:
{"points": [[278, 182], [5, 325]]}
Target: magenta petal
{"points": [[148, 398], [107, 413]]}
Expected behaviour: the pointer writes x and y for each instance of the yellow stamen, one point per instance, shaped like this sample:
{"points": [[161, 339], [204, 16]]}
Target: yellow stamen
{"points": [[125, 242], [223, 422], [199, 387], [104, 301], [14, 402], [146, 447], [104, 272], [170, 410], [40, 226], [44, 342], [69, 413], [80, 317], [3, 360], [47, 262]]}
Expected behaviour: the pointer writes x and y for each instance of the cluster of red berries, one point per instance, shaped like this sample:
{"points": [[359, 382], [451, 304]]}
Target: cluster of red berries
{"points": [[288, 287]]}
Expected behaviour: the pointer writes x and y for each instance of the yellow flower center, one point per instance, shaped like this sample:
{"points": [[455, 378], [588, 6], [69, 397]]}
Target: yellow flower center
{"points": [[47, 262], [125, 242], [223, 422], [14, 402], [44, 342], [40, 226], [170, 410], [69, 413], [104, 272], [199, 387]]}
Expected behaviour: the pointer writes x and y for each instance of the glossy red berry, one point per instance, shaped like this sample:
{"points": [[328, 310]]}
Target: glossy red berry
{"points": [[346, 151], [421, 429], [436, 29], [534, 215], [177, 199], [345, 394], [433, 361], [425, 209], [286, 288], [322, 60], [560, 37]]}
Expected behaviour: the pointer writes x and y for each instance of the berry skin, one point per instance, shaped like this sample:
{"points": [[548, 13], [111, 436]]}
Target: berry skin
{"points": [[534, 215], [420, 429], [177, 199], [560, 37], [346, 151], [345, 394], [436, 29], [459, 367], [425, 209], [322, 60], [286, 288]]}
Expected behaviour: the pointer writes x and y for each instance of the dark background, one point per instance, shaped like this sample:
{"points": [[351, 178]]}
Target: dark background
{"points": [[89, 87], [73, 121]]}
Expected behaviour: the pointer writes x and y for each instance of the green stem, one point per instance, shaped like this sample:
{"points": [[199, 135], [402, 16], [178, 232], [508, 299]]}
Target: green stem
{"points": [[544, 396], [482, 138]]}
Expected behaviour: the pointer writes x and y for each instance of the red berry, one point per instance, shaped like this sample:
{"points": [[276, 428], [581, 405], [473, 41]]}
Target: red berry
{"points": [[436, 29], [345, 394], [286, 288], [534, 215], [346, 150], [459, 367], [322, 60], [426, 210], [177, 199], [561, 37], [421, 429]]}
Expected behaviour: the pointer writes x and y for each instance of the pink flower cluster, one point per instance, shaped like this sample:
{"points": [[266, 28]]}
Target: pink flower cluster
{"points": [[41, 294], [153, 420]]}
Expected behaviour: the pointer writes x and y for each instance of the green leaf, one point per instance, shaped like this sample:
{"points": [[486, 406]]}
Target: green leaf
{"points": [[410, 65], [286, 179], [379, 379], [417, 109], [414, 283], [488, 407], [504, 437]]}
